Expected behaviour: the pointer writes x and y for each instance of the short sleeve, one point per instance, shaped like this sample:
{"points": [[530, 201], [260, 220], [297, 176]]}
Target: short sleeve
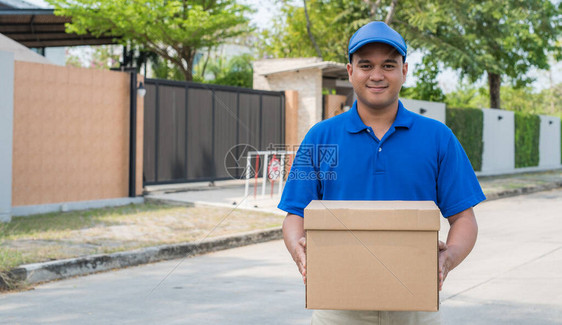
{"points": [[457, 186], [302, 184]]}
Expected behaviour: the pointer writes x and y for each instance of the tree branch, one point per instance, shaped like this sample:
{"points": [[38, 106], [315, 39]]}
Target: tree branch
{"points": [[390, 15], [374, 7], [152, 45], [308, 25], [206, 61]]}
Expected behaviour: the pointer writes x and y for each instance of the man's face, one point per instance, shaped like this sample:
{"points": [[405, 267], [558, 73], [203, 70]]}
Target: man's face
{"points": [[377, 74]]}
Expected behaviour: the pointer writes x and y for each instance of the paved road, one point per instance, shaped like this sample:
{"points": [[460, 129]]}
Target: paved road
{"points": [[514, 276]]}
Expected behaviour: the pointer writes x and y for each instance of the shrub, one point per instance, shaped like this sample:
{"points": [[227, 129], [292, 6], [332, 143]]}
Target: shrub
{"points": [[467, 125], [527, 133]]}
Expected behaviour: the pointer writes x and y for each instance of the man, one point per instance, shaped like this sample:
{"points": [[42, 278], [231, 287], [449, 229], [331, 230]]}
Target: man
{"points": [[384, 152]]}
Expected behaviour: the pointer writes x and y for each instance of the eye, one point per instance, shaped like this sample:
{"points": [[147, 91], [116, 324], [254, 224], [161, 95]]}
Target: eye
{"points": [[388, 66], [365, 66]]}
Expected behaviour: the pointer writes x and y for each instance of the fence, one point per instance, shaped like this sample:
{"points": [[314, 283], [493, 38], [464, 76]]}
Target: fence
{"points": [[71, 134], [189, 128]]}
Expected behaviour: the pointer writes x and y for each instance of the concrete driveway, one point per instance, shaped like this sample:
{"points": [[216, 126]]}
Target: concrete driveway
{"points": [[512, 277]]}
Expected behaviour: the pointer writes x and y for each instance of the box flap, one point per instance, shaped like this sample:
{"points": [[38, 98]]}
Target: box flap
{"points": [[372, 215]]}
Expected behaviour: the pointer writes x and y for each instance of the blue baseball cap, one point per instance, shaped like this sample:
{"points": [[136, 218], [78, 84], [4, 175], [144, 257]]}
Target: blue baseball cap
{"points": [[376, 32]]}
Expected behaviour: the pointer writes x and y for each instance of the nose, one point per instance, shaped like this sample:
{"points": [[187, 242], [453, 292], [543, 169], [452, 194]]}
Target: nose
{"points": [[376, 74]]}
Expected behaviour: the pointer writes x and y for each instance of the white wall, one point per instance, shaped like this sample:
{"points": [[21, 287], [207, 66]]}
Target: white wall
{"points": [[20, 52], [6, 133], [57, 55], [433, 110], [549, 142], [308, 83], [498, 136]]}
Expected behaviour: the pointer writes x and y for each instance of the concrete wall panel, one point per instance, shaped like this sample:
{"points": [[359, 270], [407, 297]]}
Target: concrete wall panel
{"points": [[140, 141], [499, 141], [6, 133], [430, 109], [549, 142]]}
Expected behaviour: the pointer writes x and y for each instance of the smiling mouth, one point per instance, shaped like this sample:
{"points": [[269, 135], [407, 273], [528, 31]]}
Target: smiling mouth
{"points": [[377, 88]]}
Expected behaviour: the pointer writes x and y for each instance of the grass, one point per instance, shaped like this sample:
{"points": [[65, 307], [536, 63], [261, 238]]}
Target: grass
{"points": [[62, 235], [494, 184]]}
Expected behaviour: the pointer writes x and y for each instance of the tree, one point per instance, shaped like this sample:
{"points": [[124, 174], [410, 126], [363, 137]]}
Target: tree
{"points": [[427, 87], [236, 71], [333, 22], [525, 100], [308, 24], [163, 69], [97, 57], [520, 99], [72, 60], [551, 100], [174, 29], [105, 57], [490, 37], [466, 95], [496, 38]]}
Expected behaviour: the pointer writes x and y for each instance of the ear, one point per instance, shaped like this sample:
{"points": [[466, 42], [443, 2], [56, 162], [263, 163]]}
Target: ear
{"points": [[349, 68], [404, 71]]}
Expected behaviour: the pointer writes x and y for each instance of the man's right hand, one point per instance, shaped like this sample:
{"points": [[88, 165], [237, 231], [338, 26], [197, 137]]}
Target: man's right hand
{"points": [[299, 256], [293, 234]]}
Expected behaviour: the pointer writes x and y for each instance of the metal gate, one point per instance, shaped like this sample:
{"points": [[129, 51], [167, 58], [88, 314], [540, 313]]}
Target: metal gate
{"points": [[190, 127]]}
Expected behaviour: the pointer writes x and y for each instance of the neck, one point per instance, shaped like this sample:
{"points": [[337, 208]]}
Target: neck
{"points": [[381, 118]]}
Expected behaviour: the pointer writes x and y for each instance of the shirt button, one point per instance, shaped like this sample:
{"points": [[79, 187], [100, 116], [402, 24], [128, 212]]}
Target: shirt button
{"points": [[368, 130], [380, 149]]}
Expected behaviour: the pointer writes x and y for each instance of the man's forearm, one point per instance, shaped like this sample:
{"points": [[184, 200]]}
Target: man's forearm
{"points": [[461, 238], [293, 230], [293, 234]]}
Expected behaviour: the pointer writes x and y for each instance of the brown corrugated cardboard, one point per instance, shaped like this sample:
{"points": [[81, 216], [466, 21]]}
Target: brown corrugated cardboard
{"points": [[372, 255]]}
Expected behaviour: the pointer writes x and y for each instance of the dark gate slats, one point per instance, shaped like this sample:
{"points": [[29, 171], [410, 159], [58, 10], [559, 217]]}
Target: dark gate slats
{"points": [[270, 112], [149, 156], [249, 127], [189, 128], [226, 123], [200, 141], [171, 137]]}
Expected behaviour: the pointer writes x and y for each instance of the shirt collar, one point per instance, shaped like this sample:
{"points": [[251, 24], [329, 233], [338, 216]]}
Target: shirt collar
{"points": [[356, 125]]}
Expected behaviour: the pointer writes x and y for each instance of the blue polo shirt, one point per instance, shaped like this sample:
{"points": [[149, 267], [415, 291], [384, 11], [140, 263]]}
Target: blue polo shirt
{"points": [[418, 159]]}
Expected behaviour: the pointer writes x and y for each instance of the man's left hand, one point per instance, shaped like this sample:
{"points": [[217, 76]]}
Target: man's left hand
{"points": [[443, 263]]}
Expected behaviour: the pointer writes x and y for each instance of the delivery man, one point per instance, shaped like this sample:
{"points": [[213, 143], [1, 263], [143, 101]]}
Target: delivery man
{"points": [[379, 150]]}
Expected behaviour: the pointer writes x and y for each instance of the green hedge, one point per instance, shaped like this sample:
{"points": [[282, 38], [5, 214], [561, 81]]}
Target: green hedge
{"points": [[467, 125], [527, 133]]}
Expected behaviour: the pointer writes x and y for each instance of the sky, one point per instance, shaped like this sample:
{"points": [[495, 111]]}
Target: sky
{"points": [[448, 79]]}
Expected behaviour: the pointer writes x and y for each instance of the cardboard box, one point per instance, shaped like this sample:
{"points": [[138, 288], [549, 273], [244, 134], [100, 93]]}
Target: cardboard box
{"points": [[372, 255]]}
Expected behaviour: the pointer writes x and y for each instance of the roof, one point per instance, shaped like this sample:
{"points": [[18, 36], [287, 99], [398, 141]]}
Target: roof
{"points": [[38, 27], [329, 69]]}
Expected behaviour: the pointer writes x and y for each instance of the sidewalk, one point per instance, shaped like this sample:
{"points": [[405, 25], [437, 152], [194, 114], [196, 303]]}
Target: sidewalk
{"points": [[231, 194]]}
